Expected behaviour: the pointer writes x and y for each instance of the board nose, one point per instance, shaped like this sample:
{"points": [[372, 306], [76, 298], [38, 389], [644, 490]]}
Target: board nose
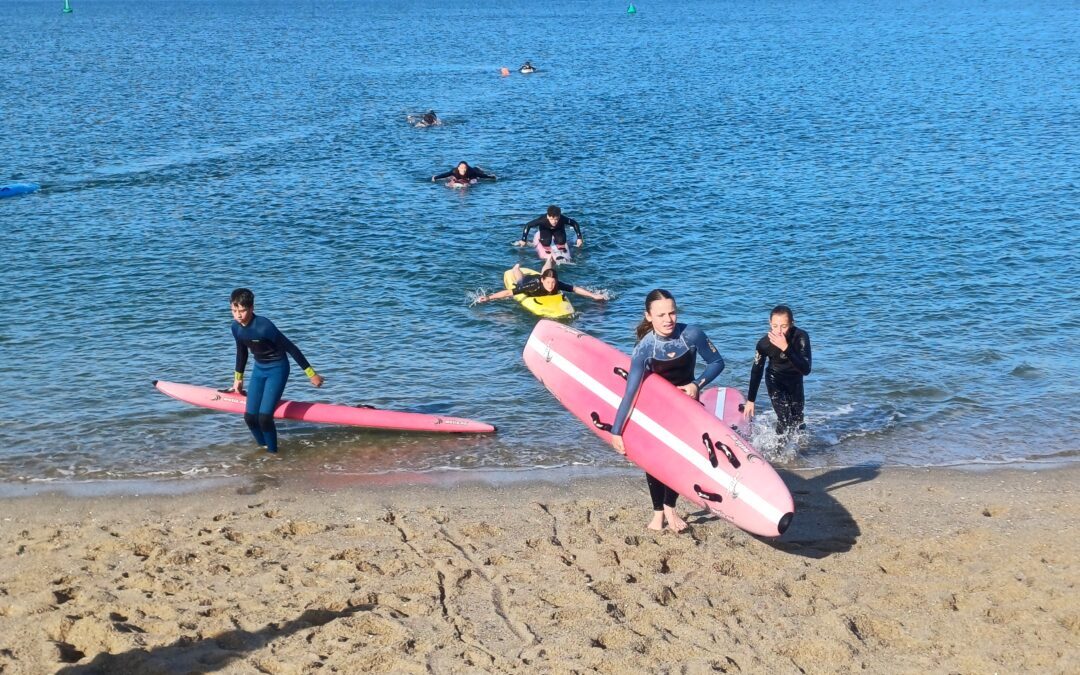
{"points": [[785, 521]]}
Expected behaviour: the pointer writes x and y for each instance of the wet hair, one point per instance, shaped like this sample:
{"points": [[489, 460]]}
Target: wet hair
{"points": [[783, 309], [645, 327], [550, 272], [554, 211], [243, 297], [430, 118], [467, 167]]}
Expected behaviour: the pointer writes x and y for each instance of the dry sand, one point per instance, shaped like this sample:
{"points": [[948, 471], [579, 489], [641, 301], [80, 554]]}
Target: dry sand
{"points": [[902, 571]]}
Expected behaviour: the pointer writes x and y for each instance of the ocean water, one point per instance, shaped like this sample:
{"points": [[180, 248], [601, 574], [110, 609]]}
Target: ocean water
{"points": [[905, 175]]}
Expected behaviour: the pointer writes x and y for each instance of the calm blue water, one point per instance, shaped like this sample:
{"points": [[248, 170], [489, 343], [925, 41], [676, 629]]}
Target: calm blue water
{"points": [[905, 175]]}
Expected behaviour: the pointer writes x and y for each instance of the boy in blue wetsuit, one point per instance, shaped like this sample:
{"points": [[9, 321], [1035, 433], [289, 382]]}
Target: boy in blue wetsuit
{"points": [[271, 369], [670, 350]]}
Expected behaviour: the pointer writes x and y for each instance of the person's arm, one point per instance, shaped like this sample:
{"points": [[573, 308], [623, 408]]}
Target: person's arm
{"points": [[799, 352], [298, 356], [535, 222], [577, 230], [496, 296], [241, 364], [714, 362], [756, 371], [582, 291], [440, 176], [638, 369]]}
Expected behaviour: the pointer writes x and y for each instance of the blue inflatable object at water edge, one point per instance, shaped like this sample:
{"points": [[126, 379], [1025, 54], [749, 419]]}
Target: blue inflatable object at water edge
{"points": [[13, 189]]}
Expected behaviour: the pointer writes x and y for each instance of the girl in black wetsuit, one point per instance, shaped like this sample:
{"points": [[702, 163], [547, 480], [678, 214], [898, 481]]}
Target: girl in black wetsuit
{"points": [[464, 174], [787, 350]]}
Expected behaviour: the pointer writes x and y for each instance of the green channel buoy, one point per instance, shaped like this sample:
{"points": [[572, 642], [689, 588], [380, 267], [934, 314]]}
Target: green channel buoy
{"points": [[629, 10], [67, 7]]}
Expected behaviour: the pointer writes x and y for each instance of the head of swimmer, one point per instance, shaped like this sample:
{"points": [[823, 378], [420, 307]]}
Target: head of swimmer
{"points": [[553, 215], [430, 117], [549, 279], [461, 169], [781, 320], [242, 303], [661, 313]]}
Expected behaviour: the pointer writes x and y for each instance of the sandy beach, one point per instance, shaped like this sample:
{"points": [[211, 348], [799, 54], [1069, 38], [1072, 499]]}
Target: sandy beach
{"points": [[881, 571]]}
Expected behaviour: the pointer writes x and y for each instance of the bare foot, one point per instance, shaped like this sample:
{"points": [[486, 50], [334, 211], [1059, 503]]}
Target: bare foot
{"points": [[657, 522], [675, 523]]}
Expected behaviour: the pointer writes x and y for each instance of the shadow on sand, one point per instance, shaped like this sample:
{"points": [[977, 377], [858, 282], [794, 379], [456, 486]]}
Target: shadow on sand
{"points": [[188, 655], [822, 526]]}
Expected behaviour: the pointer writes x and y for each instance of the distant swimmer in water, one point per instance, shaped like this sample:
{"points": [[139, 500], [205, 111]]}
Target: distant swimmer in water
{"points": [[526, 68], [787, 349], [552, 228], [463, 174], [535, 286], [271, 349], [428, 119]]}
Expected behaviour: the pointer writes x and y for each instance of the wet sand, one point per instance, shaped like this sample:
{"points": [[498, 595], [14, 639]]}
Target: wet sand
{"points": [[893, 571]]}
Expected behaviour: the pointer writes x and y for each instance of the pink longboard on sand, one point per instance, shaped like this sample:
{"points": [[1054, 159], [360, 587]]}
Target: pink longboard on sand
{"points": [[325, 413], [668, 434], [545, 252]]}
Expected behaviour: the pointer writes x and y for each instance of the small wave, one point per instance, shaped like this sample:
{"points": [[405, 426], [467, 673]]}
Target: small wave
{"points": [[1026, 371]]}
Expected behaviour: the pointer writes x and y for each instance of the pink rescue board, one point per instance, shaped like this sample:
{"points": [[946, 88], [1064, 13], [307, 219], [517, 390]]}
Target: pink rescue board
{"points": [[325, 413], [545, 252], [668, 434], [727, 404]]}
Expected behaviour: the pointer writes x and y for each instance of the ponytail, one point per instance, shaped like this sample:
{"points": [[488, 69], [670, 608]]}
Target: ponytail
{"points": [[645, 327]]}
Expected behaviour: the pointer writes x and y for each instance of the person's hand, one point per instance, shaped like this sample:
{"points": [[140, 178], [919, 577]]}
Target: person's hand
{"points": [[748, 409], [237, 387], [691, 390], [519, 242], [482, 298], [317, 380], [433, 179], [580, 243], [616, 441], [778, 341]]}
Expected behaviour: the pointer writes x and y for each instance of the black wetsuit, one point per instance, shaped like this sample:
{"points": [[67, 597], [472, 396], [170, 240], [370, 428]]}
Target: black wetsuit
{"points": [[532, 286], [548, 232], [471, 174], [783, 378]]}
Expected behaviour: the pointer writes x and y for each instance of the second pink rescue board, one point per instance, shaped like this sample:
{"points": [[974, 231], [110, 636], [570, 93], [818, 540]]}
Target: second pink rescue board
{"points": [[668, 434], [325, 413]]}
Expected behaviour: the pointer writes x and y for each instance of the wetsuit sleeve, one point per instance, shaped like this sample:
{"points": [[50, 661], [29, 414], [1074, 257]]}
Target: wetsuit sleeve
{"points": [[577, 228], [756, 371], [293, 351], [713, 360], [565, 287], [440, 176], [535, 222], [479, 173], [798, 352], [241, 355], [638, 369]]}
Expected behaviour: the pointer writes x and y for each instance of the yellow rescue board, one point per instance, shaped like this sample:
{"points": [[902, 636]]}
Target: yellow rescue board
{"points": [[548, 306]]}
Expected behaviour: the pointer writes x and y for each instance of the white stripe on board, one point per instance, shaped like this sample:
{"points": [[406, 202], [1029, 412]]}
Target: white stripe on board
{"points": [[658, 432]]}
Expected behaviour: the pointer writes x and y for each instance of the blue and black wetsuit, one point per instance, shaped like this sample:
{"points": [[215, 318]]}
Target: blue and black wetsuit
{"points": [[549, 232], [534, 288], [672, 358], [783, 378], [269, 374]]}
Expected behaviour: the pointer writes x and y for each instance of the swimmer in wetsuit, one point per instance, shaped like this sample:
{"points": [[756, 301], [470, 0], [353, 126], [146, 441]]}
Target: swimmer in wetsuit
{"points": [[670, 350], [428, 119], [787, 349], [270, 371], [526, 68], [552, 228], [534, 286], [464, 174]]}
